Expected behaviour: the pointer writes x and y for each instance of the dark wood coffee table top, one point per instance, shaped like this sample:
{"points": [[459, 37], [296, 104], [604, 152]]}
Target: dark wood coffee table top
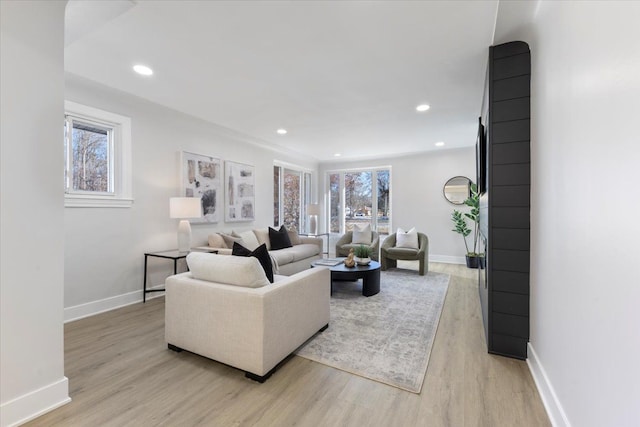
{"points": [[373, 265]]}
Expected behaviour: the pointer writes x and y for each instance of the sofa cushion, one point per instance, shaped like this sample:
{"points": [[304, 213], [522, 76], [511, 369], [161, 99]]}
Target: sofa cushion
{"points": [[402, 253], [238, 271], [216, 241], [407, 239], [361, 235], [295, 253], [262, 234], [304, 250], [249, 239], [260, 253], [282, 256], [279, 238]]}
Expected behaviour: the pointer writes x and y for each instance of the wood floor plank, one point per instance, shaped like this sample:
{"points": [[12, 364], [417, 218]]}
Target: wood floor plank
{"points": [[122, 374]]}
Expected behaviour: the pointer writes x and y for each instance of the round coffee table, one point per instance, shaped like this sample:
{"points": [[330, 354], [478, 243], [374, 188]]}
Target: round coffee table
{"points": [[370, 275]]}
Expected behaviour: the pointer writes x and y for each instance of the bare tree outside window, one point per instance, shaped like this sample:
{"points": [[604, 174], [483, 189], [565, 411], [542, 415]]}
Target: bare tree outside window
{"points": [[291, 194], [334, 191], [358, 200], [384, 207], [276, 196], [90, 158], [291, 200]]}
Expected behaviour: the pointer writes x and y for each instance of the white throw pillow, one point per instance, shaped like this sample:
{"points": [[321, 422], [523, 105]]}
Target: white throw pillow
{"points": [[407, 239], [229, 270], [262, 234], [249, 239], [361, 235]]}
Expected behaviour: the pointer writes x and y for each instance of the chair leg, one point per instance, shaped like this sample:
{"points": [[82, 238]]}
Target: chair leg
{"points": [[258, 378], [387, 263], [174, 348], [424, 267]]}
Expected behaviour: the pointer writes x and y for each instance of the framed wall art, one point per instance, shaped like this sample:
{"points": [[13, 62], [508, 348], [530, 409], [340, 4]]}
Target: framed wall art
{"points": [[239, 192], [202, 177]]}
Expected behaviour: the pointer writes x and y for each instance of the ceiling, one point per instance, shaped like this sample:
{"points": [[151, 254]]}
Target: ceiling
{"points": [[341, 77]]}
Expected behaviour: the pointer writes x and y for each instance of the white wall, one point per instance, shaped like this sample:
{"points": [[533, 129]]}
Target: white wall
{"points": [[416, 195], [585, 283], [31, 256], [104, 247]]}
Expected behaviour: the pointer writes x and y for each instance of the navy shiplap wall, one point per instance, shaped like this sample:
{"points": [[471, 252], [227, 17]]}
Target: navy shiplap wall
{"points": [[507, 302]]}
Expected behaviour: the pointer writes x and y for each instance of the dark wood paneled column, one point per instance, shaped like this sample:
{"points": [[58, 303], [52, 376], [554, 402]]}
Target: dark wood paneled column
{"points": [[505, 300]]}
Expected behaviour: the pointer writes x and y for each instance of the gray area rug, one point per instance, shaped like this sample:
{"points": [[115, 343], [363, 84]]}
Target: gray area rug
{"points": [[386, 337]]}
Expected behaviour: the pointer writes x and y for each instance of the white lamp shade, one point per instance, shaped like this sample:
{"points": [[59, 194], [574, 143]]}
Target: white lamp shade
{"points": [[185, 207], [313, 209]]}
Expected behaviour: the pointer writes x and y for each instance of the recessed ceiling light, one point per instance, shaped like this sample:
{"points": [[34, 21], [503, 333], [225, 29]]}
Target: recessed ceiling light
{"points": [[281, 131], [143, 70], [337, 155], [422, 107], [439, 144]]}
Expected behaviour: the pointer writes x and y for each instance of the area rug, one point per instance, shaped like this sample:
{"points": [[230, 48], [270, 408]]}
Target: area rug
{"points": [[386, 337]]}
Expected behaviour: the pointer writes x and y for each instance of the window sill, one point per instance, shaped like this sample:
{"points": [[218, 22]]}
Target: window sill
{"points": [[96, 202]]}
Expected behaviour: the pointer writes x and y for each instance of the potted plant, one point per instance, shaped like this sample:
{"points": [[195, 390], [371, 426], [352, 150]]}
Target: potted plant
{"points": [[474, 259], [362, 255]]}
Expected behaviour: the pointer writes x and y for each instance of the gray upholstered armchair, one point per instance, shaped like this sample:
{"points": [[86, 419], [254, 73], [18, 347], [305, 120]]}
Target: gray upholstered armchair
{"points": [[344, 244], [389, 254]]}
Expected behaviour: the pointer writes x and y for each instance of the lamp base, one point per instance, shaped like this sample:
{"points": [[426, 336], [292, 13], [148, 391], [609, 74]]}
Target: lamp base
{"points": [[313, 224], [184, 236]]}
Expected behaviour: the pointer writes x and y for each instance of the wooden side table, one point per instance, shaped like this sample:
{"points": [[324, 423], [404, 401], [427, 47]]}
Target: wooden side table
{"points": [[174, 255]]}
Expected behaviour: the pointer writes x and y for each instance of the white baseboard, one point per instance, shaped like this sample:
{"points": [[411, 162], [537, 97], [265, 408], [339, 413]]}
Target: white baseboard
{"points": [[448, 259], [35, 403], [92, 308], [548, 395]]}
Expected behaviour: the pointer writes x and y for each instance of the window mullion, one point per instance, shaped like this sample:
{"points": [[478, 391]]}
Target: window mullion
{"points": [[343, 199], [67, 150], [281, 207], [374, 200], [301, 207]]}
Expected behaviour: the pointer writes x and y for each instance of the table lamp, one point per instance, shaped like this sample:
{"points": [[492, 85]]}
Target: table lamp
{"points": [[184, 208], [313, 210]]}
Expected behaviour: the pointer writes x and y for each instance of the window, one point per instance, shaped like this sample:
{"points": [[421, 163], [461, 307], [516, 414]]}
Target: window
{"points": [[291, 195], [90, 157], [97, 158], [359, 197]]}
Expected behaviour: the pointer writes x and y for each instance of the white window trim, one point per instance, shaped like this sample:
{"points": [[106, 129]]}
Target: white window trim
{"points": [[122, 167]]}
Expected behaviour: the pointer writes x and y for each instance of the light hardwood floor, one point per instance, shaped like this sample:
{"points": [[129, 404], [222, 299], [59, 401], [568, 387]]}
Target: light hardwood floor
{"points": [[121, 374]]}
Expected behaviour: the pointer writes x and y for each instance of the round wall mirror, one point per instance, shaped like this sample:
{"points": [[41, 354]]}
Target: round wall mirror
{"points": [[457, 190]]}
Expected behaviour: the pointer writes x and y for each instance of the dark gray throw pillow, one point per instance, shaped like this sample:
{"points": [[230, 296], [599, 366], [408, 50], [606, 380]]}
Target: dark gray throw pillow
{"points": [[279, 238], [261, 253]]}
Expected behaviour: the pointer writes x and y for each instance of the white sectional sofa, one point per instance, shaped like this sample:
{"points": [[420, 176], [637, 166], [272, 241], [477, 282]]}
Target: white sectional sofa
{"points": [[225, 309], [288, 261]]}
